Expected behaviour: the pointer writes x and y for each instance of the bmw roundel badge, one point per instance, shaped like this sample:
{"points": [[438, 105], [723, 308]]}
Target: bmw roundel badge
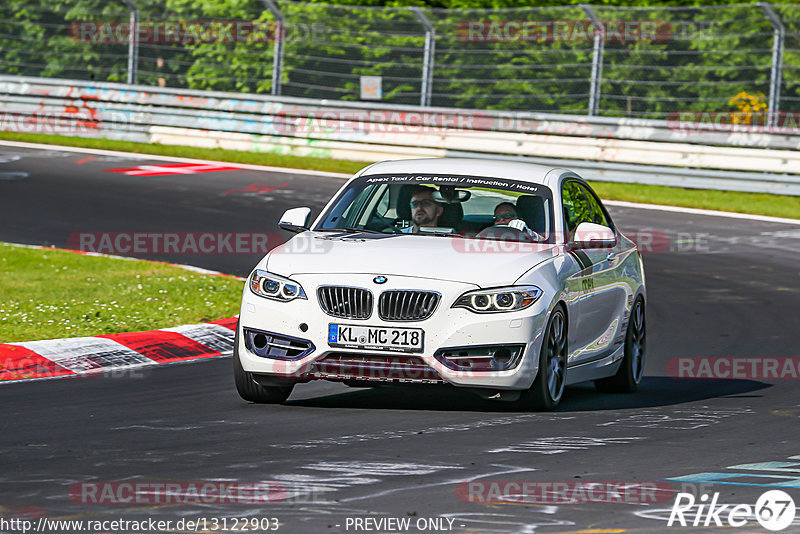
{"points": [[380, 279]]}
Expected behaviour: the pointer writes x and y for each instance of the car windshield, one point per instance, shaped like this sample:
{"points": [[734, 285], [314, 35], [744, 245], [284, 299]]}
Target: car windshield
{"points": [[452, 205]]}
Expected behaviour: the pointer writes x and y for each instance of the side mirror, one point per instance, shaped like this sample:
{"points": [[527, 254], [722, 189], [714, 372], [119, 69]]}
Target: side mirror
{"points": [[295, 220], [590, 235]]}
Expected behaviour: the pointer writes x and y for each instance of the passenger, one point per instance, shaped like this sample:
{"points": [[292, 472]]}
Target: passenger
{"points": [[505, 215]]}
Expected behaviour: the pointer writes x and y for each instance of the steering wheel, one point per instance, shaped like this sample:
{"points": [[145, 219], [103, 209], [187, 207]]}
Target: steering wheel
{"points": [[385, 225], [391, 229], [508, 232]]}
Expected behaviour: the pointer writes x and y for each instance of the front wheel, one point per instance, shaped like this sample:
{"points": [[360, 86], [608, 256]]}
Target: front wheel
{"points": [[548, 386], [251, 391], [632, 367]]}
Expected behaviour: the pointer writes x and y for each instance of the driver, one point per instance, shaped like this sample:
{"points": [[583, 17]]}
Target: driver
{"points": [[425, 211]]}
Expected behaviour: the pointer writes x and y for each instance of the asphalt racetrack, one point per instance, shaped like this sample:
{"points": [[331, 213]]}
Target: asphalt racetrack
{"points": [[428, 459]]}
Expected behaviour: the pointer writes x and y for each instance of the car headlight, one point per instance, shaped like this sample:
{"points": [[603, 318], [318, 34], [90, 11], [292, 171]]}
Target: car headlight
{"points": [[502, 299], [275, 287]]}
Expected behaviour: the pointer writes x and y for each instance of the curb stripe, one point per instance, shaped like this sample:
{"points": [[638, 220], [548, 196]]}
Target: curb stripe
{"points": [[163, 347], [86, 354], [19, 363], [89, 356], [229, 323], [213, 336]]}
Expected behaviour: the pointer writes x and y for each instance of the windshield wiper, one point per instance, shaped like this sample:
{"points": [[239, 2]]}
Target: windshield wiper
{"points": [[349, 230], [354, 230], [441, 234]]}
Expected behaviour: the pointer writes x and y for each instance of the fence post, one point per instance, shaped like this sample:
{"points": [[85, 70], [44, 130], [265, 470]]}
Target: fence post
{"points": [[597, 60], [277, 55], [133, 41], [776, 75], [427, 58]]}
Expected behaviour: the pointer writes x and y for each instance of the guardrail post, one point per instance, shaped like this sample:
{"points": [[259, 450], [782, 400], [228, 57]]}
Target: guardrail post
{"points": [[427, 58], [133, 41], [776, 74], [597, 60], [277, 56]]}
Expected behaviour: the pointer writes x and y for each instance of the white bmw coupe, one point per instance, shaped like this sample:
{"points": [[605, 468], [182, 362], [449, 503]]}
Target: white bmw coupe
{"points": [[509, 279]]}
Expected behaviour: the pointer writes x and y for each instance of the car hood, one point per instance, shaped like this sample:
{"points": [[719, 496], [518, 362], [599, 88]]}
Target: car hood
{"points": [[487, 263]]}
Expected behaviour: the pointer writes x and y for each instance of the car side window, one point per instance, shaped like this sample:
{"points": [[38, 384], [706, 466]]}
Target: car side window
{"points": [[598, 216], [357, 212], [383, 204], [576, 208]]}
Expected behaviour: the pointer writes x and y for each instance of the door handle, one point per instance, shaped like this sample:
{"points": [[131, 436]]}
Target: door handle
{"points": [[611, 256]]}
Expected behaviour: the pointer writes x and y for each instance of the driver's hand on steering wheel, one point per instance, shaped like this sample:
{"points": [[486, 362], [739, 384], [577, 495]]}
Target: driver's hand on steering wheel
{"points": [[518, 224]]}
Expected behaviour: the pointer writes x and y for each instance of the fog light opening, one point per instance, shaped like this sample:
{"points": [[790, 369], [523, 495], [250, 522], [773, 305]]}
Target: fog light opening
{"points": [[481, 357], [502, 357], [260, 341]]}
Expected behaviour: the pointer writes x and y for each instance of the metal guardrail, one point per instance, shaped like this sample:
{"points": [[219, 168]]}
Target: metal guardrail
{"points": [[612, 149]]}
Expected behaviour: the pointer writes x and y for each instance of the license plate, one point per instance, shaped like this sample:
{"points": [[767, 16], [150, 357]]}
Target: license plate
{"points": [[376, 338]]}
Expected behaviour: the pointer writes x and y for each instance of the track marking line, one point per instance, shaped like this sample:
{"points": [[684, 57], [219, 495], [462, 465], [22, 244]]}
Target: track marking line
{"points": [[172, 169], [137, 155]]}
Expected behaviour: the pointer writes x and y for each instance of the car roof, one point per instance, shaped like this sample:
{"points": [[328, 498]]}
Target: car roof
{"points": [[490, 168]]}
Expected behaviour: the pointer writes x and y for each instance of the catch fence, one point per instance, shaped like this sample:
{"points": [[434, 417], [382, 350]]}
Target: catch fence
{"points": [[740, 61]]}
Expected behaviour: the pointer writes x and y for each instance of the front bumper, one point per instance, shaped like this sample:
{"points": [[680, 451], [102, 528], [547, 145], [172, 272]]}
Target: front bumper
{"points": [[304, 321]]}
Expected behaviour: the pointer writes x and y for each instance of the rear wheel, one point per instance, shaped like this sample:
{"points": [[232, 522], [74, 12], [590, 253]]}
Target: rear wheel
{"points": [[632, 367], [548, 386], [248, 389]]}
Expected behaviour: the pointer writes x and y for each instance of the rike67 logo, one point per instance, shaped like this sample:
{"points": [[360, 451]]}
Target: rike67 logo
{"points": [[774, 510]]}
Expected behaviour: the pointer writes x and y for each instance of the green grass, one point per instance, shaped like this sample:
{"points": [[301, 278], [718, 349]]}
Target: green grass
{"points": [[756, 203], [47, 294]]}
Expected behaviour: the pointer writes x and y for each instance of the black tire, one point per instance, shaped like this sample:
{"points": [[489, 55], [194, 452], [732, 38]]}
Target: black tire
{"points": [[632, 367], [248, 389], [548, 386]]}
